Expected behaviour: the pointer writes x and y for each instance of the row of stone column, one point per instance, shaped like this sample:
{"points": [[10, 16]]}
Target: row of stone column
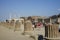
{"points": [[51, 31]]}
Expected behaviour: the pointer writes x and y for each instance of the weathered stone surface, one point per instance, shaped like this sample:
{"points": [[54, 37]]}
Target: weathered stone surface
{"points": [[52, 31], [28, 27]]}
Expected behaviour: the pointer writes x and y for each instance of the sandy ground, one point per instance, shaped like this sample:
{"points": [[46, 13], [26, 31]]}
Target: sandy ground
{"points": [[8, 34]]}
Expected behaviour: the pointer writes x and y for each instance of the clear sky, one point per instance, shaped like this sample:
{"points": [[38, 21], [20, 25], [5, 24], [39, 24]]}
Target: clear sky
{"points": [[17, 8]]}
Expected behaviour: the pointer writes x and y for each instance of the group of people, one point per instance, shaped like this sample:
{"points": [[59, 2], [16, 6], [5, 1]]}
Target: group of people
{"points": [[37, 24]]}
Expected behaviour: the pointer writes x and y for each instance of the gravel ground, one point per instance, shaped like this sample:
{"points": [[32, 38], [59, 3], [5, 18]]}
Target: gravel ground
{"points": [[8, 34]]}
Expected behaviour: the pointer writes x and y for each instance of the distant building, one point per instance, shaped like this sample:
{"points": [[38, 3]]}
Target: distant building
{"points": [[38, 18], [59, 18], [53, 19]]}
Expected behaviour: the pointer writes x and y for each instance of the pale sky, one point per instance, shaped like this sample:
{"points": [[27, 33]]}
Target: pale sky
{"points": [[18, 8]]}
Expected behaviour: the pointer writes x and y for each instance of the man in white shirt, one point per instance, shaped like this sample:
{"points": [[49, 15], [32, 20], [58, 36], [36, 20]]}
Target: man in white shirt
{"points": [[33, 27]]}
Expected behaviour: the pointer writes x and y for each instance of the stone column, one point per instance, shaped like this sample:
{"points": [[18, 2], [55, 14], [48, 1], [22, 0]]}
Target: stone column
{"points": [[52, 31], [12, 24], [17, 25], [28, 27]]}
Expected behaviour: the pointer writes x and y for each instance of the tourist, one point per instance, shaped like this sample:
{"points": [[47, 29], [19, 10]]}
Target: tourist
{"points": [[59, 27]]}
